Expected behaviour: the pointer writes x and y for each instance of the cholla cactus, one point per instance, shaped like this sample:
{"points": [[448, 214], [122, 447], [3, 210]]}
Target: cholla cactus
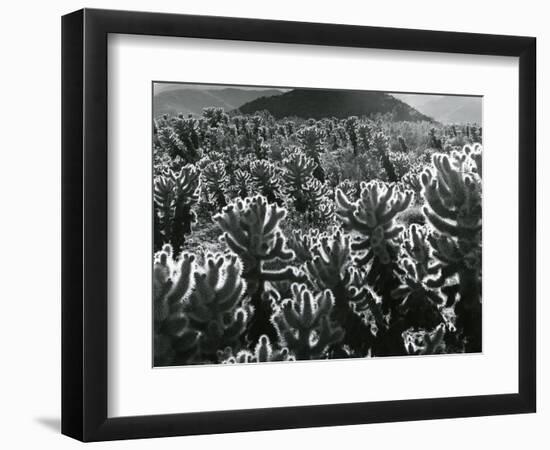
{"points": [[402, 144], [380, 143], [364, 132], [242, 183], [215, 116], [252, 231], [330, 269], [187, 131], [412, 181], [331, 257], [170, 141], [350, 189], [174, 341], [350, 125], [266, 180], [312, 140], [320, 210], [215, 181], [452, 190], [298, 171], [302, 244], [433, 141], [373, 217], [419, 299], [174, 196], [198, 313], [303, 323], [423, 342], [263, 352], [213, 306]]}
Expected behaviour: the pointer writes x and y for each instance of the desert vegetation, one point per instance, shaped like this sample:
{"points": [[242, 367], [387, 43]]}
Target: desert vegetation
{"points": [[290, 239]]}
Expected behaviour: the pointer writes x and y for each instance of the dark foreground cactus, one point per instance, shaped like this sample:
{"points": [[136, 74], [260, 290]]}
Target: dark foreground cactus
{"points": [[452, 190], [197, 309], [330, 269], [263, 352], [373, 219], [419, 295], [304, 325]]}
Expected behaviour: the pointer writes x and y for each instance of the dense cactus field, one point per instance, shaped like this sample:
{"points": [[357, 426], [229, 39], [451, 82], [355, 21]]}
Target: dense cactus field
{"points": [[292, 239]]}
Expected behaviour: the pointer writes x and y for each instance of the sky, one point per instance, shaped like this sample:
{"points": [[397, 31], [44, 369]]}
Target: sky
{"points": [[416, 99], [162, 87]]}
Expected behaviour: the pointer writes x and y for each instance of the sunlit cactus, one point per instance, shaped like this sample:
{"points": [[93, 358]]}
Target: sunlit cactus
{"points": [[332, 255], [213, 306], [419, 299], [262, 149], [187, 131], [262, 352], [373, 219], [304, 325], [298, 171], [308, 194], [174, 195], [320, 211], [215, 116], [215, 181], [174, 341], [252, 231], [372, 216], [312, 140], [452, 190], [170, 141], [453, 194], [266, 180], [302, 244], [243, 180], [350, 189], [424, 342], [413, 182], [197, 308], [330, 269]]}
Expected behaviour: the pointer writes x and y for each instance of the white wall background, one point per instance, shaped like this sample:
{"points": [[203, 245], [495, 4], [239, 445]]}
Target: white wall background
{"points": [[30, 221]]}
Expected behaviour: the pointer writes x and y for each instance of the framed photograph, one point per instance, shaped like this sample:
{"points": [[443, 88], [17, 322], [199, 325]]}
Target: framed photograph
{"points": [[273, 224]]}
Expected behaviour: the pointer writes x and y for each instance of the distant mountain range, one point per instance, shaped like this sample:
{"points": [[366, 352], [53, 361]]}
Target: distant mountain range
{"points": [[192, 101], [446, 108], [319, 103], [316, 103]]}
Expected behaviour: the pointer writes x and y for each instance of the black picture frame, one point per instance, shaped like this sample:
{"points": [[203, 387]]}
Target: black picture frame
{"points": [[84, 224]]}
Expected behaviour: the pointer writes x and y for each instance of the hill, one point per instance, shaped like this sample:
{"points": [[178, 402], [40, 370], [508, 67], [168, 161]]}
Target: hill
{"points": [[192, 101], [446, 108], [319, 103]]}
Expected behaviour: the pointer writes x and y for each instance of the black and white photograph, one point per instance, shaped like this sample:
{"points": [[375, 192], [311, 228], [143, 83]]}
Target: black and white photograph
{"points": [[306, 224]]}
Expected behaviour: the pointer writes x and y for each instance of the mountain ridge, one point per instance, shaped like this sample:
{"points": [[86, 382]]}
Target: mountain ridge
{"points": [[320, 103]]}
